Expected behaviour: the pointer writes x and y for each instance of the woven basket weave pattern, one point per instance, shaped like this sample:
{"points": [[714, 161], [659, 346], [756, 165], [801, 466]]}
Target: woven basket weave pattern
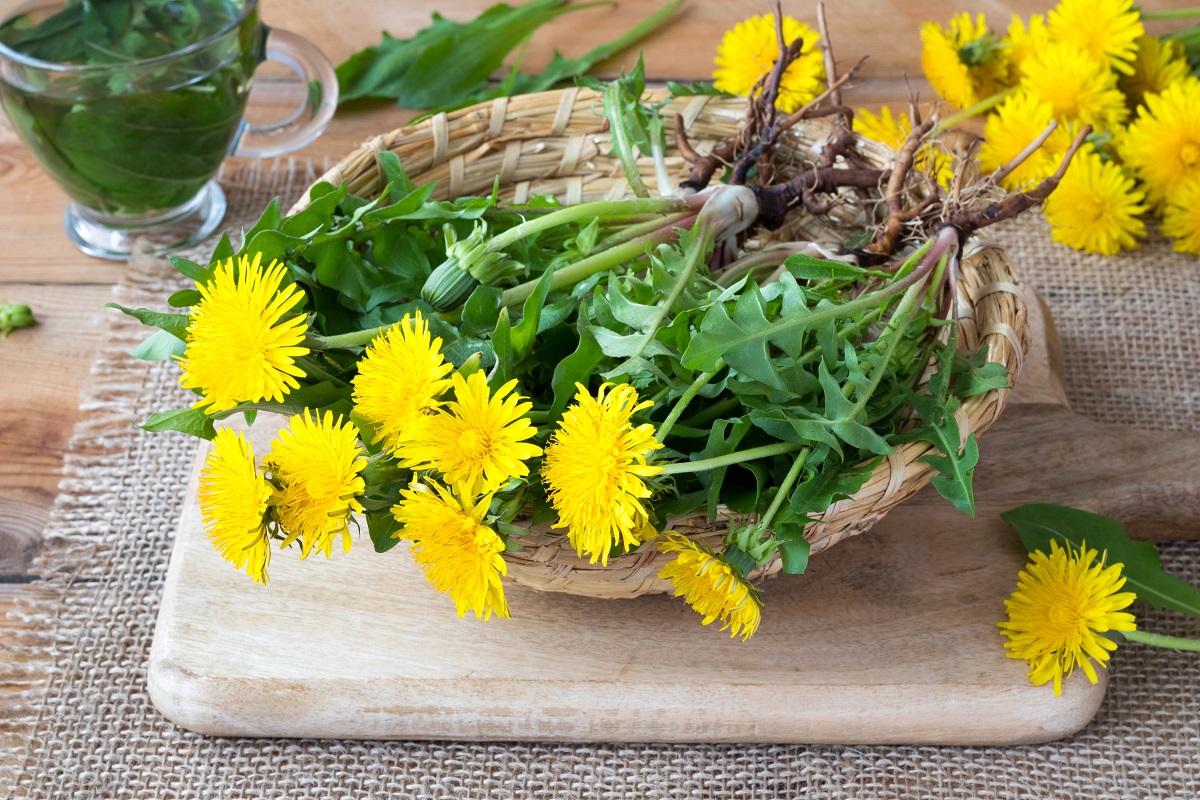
{"points": [[554, 144]]}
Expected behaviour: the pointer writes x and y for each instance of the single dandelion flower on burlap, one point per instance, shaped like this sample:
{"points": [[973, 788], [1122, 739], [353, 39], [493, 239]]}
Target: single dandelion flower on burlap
{"points": [[400, 378], [1181, 218], [459, 554], [1019, 120], [1062, 604], [715, 589], [893, 131], [1159, 63], [748, 53], [1023, 41], [477, 439], [1106, 30], [234, 497], [1077, 87], [1162, 146], [1096, 207], [594, 469], [964, 61], [241, 345], [317, 461]]}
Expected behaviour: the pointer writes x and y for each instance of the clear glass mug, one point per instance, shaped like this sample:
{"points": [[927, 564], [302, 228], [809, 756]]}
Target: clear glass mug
{"points": [[135, 143]]}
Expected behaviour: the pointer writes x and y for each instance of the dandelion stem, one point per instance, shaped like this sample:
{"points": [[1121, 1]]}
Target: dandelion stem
{"points": [[682, 403], [1159, 640], [1175, 13], [983, 105], [600, 208], [736, 457], [785, 489]]}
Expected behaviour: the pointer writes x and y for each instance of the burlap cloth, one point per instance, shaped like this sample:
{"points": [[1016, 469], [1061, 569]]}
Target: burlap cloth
{"points": [[85, 727]]}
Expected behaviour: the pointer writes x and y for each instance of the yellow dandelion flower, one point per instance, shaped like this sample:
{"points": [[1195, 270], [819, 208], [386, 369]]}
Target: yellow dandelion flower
{"points": [[317, 462], [594, 468], [1162, 146], [400, 377], [893, 131], [1181, 218], [1104, 29], [1062, 603], [748, 53], [1078, 88], [1019, 120], [1159, 64], [712, 587], [1024, 41], [234, 498], [1096, 207], [458, 552], [478, 439], [240, 347], [964, 62]]}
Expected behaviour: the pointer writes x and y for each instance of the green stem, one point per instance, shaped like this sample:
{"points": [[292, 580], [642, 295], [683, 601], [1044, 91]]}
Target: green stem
{"points": [[700, 246], [682, 403], [587, 267], [1178, 13], [630, 232], [736, 457], [1159, 640], [715, 411], [892, 333], [599, 208], [784, 489], [975, 110], [352, 339]]}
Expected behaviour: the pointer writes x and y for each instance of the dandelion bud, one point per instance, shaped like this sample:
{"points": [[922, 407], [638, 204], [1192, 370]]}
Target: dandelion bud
{"points": [[13, 316], [468, 263]]}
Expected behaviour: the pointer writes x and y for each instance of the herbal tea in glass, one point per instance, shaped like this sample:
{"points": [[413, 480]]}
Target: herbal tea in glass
{"points": [[131, 106]]}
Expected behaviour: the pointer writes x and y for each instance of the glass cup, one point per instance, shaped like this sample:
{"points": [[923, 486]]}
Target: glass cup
{"points": [[135, 133]]}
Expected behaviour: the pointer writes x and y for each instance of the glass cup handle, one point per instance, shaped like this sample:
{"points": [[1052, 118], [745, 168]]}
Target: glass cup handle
{"points": [[292, 133]]}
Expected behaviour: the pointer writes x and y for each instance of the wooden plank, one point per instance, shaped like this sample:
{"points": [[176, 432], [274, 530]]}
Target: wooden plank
{"points": [[830, 663]]}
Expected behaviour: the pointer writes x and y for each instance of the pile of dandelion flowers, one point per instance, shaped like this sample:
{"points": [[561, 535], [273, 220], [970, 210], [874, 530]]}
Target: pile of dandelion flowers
{"points": [[714, 588], [1162, 145], [1106, 30], [234, 497], [241, 344], [1159, 63], [460, 555], [1019, 120], [400, 377], [963, 62], [478, 439], [1062, 604], [1023, 42], [1096, 207], [748, 53], [1077, 87], [316, 461], [594, 469]]}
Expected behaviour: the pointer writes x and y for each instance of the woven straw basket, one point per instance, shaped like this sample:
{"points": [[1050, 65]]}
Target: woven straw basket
{"points": [[553, 144]]}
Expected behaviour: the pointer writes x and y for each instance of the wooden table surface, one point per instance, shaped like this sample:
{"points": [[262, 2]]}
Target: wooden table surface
{"points": [[43, 369]]}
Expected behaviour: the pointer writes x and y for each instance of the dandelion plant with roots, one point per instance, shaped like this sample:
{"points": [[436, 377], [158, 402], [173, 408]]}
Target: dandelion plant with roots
{"points": [[458, 371]]}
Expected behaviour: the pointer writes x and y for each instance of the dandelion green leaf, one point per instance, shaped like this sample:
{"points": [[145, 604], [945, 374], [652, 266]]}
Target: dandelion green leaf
{"points": [[161, 346], [185, 420]]}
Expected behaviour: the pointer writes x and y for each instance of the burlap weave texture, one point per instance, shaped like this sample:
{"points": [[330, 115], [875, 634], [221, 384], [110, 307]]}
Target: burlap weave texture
{"points": [[90, 732]]}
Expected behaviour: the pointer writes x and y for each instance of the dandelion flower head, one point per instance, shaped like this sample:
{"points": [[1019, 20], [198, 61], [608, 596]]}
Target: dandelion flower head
{"points": [[234, 497], [1106, 30], [1181, 218], [893, 132], [1078, 88], [1159, 63], [459, 554], [712, 587], [240, 345], [1162, 145], [1062, 604], [1019, 120], [478, 439], [317, 462], [748, 53], [1096, 207], [594, 469], [400, 377], [964, 62], [1023, 41]]}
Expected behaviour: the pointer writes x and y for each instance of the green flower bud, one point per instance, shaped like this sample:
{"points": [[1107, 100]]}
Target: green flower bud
{"points": [[468, 263], [13, 316]]}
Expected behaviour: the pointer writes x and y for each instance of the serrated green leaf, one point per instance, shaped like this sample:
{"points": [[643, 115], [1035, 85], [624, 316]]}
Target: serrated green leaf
{"points": [[161, 346], [616, 345], [524, 333], [482, 310], [793, 548], [383, 527], [192, 421], [806, 268], [268, 221], [174, 324], [575, 368], [1038, 524], [741, 340], [636, 315], [190, 269]]}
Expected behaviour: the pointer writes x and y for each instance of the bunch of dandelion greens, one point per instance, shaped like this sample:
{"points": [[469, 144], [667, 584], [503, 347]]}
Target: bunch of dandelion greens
{"points": [[454, 372], [1085, 63]]}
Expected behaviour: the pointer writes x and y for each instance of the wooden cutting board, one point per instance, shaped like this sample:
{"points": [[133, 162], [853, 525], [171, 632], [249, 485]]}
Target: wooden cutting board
{"points": [[889, 638]]}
